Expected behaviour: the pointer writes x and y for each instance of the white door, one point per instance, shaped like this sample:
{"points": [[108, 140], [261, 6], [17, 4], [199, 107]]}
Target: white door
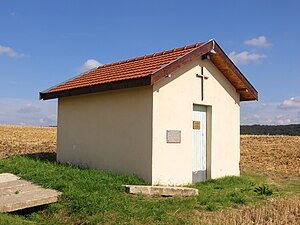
{"points": [[199, 143]]}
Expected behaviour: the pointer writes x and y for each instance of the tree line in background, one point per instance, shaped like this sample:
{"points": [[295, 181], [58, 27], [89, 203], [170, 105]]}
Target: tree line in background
{"points": [[292, 129]]}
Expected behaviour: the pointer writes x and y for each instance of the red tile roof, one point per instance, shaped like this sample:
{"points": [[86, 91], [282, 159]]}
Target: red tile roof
{"points": [[128, 69], [148, 69]]}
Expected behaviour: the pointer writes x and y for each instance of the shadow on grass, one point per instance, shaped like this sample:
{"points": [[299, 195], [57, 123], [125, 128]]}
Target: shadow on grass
{"points": [[42, 156], [30, 210]]}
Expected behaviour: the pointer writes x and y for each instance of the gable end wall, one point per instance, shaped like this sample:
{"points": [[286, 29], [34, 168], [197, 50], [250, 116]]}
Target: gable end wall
{"points": [[173, 100]]}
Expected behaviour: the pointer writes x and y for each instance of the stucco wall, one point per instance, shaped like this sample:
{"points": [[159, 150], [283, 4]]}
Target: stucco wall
{"points": [[173, 100], [109, 130], [125, 130]]}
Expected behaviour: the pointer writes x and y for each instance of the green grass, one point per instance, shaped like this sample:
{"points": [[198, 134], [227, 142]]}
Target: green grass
{"points": [[228, 192], [12, 220], [92, 196]]}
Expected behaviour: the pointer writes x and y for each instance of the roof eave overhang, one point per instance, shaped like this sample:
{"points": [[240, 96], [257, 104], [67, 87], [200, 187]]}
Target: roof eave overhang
{"points": [[220, 60], [129, 83], [233, 74], [179, 62]]}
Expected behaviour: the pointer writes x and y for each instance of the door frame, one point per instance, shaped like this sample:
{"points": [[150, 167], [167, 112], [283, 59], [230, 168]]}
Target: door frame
{"points": [[207, 175]]}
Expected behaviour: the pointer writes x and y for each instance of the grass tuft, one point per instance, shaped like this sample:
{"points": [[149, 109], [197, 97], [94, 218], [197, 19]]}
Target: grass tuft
{"points": [[263, 190]]}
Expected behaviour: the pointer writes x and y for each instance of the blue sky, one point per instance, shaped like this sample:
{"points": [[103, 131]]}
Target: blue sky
{"points": [[45, 42]]}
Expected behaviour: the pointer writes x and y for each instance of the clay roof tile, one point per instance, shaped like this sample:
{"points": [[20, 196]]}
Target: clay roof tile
{"points": [[127, 69]]}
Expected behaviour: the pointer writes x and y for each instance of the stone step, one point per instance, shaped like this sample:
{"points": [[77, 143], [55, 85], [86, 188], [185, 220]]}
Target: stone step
{"points": [[6, 177], [16, 194], [161, 190], [20, 187], [10, 184]]}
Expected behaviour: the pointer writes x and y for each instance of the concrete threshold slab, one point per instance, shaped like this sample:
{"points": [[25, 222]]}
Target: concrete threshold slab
{"points": [[16, 194], [161, 190], [6, 177]]}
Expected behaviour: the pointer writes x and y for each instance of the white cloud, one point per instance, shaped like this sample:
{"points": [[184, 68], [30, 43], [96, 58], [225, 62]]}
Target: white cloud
{"points": [[260, 41], [28, 109], [283, 119], [245, 57], [27, 112], [4, 50], [268, 114], [89, 64], [292, 103]]}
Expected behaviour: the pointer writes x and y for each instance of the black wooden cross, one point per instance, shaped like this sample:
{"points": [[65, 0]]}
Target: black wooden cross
{"points": [[202, 76]]}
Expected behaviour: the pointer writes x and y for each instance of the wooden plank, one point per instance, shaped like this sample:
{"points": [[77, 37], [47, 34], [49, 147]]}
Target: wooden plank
{"points": [[16, 194]]}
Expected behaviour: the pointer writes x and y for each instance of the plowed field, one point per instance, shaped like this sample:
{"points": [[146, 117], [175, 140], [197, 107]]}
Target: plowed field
{"points": [[280, 154], [26, 140], [267, 153]]}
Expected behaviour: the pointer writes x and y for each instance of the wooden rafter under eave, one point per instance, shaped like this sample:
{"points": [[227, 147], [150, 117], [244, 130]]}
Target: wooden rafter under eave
{"points": [[221, 61]]}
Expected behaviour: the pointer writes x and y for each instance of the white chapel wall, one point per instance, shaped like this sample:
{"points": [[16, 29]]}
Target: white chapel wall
{"points": [[173, 100], [107, 130]]}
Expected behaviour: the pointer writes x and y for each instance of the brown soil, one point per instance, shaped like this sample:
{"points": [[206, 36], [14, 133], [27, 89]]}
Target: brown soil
{"points": [[19, 140], [270, 154]]}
